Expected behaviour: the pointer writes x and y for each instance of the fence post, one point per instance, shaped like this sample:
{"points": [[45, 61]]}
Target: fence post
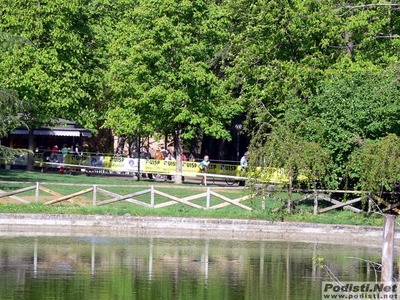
{"points": [[152, 196], [315, 202], [263, 201], [37, 192], [369, 202], [208, 198], [94, 194]]}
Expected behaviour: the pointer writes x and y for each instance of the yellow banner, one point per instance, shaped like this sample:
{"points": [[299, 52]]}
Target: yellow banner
{"points": [[189, 169]]}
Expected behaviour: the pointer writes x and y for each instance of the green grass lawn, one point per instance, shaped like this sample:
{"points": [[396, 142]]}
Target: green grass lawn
{"points": [[65, 184]]}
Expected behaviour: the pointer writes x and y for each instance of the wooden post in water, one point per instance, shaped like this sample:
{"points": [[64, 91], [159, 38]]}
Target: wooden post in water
{"points": [[387, 250], [35, 257]]}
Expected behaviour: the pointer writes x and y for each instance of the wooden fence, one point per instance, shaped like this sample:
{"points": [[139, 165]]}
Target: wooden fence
{"points": [[319, 195], [115, 197], [207, 193], [370, 200]]}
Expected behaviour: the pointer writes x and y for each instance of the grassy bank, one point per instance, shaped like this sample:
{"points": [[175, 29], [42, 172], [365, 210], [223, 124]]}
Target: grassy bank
{"points": [[124, 185]]}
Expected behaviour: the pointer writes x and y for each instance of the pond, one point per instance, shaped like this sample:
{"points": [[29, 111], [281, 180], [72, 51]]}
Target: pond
{"points": [[173, 268]]}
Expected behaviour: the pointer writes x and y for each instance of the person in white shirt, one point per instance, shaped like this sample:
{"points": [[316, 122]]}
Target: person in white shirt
{"points": [[243, 164], [168, 158], [243, 161]]}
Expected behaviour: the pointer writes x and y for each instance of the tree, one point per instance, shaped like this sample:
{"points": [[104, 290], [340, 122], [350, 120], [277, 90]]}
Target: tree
{"points": [[348, 110], [286, 146], [51, 67], [377, 164], [282, 50], [161, 77], [377, 167], [279, 51], [286, 56]]}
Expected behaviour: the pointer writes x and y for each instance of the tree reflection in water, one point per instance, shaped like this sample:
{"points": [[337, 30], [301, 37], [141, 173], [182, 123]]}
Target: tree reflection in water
{"points": [[172, 268]]}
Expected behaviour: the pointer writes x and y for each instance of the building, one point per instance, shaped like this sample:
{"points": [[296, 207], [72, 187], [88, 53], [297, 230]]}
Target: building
{"points": [[64, 132]]}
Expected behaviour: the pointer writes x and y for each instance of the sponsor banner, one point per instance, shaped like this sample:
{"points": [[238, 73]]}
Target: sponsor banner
{"points": [[126, 164], [360, 290], [112, 163], [188, 168], [273, 175], [158, 166], [74, 159]]}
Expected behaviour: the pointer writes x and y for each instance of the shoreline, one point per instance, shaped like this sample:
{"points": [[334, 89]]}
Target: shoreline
{"points": [[235, 229]]}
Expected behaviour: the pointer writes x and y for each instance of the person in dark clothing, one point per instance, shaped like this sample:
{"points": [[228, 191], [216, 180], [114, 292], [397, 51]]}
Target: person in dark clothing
{"points": [[46, 159], [134, 153], [78, 149], [164, 152], [146, 155]]}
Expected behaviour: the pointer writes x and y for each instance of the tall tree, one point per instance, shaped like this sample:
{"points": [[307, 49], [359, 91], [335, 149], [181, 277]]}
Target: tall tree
{"points": [[286, 146], [279, 50], [52, 67], [161, 75]]}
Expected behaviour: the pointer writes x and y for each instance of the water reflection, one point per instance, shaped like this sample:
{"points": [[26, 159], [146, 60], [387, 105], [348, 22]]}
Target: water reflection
{"points": [[157, 268]]}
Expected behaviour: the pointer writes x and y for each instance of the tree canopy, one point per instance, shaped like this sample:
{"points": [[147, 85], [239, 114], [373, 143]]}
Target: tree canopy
{"points": [[348, 110], [377, 162], [161, 76], [51, 66], [188, 68], [52, 63], [329, 64]]}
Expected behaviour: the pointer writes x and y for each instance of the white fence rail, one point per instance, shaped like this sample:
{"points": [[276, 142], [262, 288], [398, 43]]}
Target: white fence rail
{"points": [[115, 197], [165, 199]]}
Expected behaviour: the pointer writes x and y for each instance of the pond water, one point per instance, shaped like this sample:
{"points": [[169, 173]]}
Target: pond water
{"points": [[173, 268]]}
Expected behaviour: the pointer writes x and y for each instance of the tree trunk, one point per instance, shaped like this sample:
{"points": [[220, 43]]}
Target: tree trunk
{"points": [[289, 206], [121, 145], [31, 160], [178, 145]]}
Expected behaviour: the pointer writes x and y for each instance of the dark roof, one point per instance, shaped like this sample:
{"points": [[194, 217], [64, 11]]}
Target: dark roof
{"points": [[63, 127]]}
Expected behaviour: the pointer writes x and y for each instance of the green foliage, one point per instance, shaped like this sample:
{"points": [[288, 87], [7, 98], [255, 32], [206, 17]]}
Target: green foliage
{"points": [[160, 77], [377, 164], [11, 106], [286, 147], [50, 65], [330, 63], [189, 67], [349, 109], [280, 51]]}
